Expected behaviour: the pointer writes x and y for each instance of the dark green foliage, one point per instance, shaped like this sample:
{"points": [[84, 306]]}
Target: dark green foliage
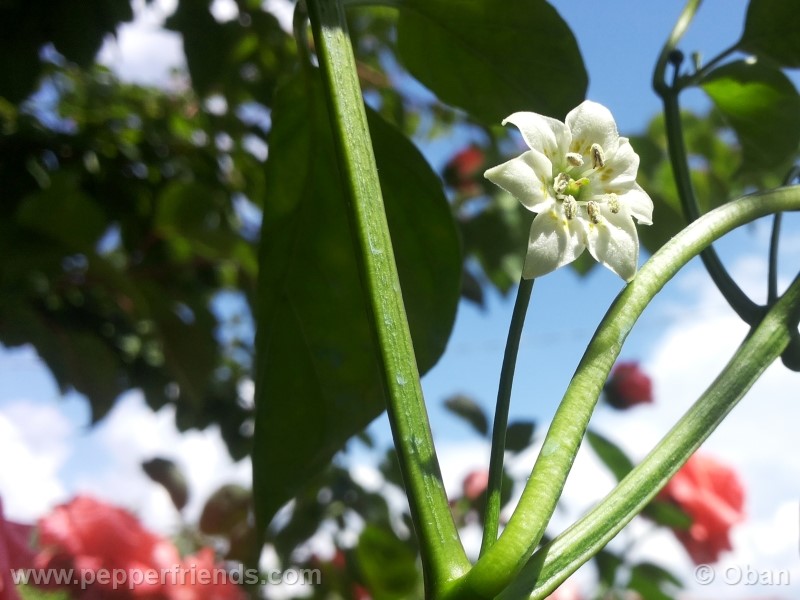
{"points": [[311, 305], [763, 108], [771, 31], [493, 58], [469, 410], [75, 29]]}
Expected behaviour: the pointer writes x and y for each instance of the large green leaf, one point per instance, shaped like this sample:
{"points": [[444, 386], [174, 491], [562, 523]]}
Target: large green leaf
{"points": [[317, 375], [388, 565], [653, 582], [76, 30], [763, 108], [63, 202], [612, 455], [493, 58], [771, 30]]}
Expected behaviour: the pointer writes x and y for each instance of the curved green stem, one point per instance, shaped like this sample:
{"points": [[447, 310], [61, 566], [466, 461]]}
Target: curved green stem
{"points": [[698, 76], [772, 277], [747, 310], [443, 557], [660, 84], [772, 274], [557, 560], [491, 521], [498, 567]]}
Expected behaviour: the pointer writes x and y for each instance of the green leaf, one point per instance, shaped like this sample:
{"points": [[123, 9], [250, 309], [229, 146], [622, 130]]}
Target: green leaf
{"points": [[64, 213], [20, 39], [185, 331], [206, 43], [519, 435], [493, 58], [763, 108], [77, 29], [653, 582], [77, 358], [607, 565], [611, 455], [469, 410], [167, 473], [497, 237], [388, 565], [317, 378], [667, 514], [770, 30], [225, 509]]}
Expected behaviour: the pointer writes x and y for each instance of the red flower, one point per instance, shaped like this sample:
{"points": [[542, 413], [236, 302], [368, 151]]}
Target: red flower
{"points": [[15, 553], [463, 169], [628, 386], [201, 578], [475, 484], [93, 537], [566, 591], [110, 550], [712, 495]]}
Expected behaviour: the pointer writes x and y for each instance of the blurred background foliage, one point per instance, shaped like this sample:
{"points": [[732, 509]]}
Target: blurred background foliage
{"points": [[131, 216]]}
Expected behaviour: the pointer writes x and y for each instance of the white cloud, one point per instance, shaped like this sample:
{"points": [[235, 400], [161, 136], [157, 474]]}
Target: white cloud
{"points": [[34, 444], [53, 460], [142, 51], [757, 439], [131, 434]]}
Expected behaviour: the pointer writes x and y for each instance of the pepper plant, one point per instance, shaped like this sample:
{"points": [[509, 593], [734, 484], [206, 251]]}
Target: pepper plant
{"points": [[360, 262]]}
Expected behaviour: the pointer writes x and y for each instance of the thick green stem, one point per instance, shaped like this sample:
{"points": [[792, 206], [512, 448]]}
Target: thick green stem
{"points": [[443, 557], [556, 561], [491, 521], [499, 566]]}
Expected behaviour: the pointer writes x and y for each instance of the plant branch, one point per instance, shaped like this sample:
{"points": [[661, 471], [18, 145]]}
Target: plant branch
{"points": [[660, 84], [499, 566], [442, 555], [491, 521], [747, 310], [557, 560]]}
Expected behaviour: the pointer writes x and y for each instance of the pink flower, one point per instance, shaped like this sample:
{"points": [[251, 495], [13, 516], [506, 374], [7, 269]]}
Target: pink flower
{"points": [[15, 553], [88, 535], [475, 484], [201, 578], [566, 591], [712, 495], [628, 386], [462, 171]]}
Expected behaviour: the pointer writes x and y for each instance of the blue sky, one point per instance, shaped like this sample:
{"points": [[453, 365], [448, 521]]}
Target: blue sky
{"points": [[683, 338]]}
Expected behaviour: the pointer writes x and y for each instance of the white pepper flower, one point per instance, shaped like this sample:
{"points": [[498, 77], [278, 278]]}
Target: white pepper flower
{"points": [[580, 179]]}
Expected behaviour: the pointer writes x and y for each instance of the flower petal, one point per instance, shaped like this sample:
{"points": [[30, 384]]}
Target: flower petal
{"points": [[526, 178], [638, 204], [554, 241], [614, 243], [592, 123], [548, 136], [621, 165]]}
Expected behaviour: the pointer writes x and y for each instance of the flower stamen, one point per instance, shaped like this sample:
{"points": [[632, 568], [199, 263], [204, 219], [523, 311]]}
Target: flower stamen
{"points": [[570, 207], [598, 156], [574, 159], [594, 211], [613, 203], [560, 184]]}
